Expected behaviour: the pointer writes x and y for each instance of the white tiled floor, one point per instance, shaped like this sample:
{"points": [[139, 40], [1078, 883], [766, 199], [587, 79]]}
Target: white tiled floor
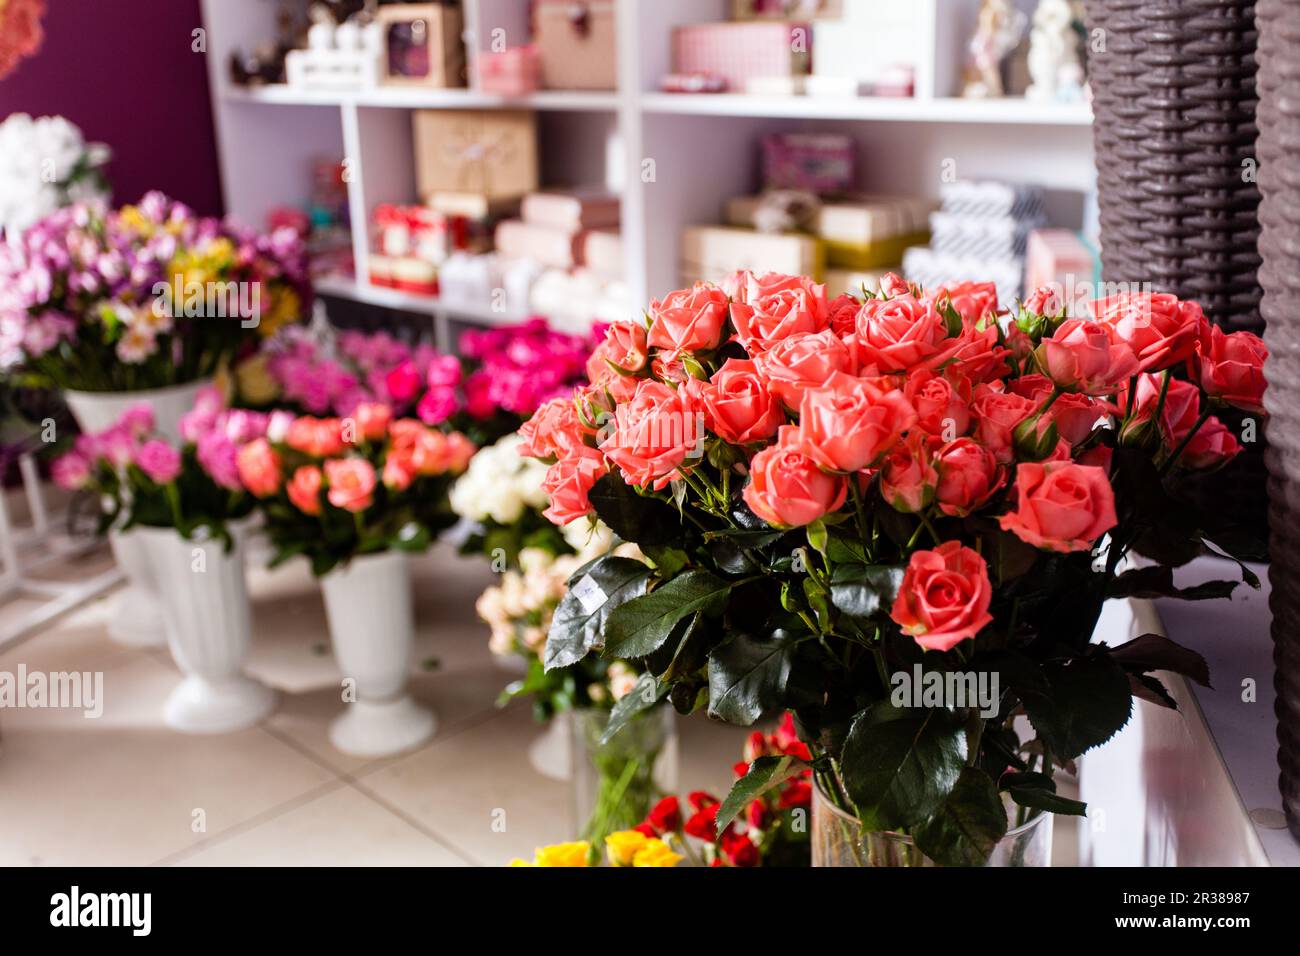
{"points": [[125, 790]]}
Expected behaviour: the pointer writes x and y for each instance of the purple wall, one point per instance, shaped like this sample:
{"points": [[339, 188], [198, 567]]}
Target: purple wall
{"points": [[123, 71]]}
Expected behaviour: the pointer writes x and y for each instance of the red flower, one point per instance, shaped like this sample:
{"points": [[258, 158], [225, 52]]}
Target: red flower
{"points": [[739, 849], [666, 816], [704, 823], [797, 793]]}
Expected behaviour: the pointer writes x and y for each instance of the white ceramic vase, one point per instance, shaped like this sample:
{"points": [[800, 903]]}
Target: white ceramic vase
{"points": [[371, 617], [209, 625], [136, 615]]}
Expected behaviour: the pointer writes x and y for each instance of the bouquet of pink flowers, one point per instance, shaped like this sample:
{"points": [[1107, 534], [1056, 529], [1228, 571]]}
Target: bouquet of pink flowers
{"points": [[848, 502], [143, 297], [333, 489], [500, 378], [144, 480]]}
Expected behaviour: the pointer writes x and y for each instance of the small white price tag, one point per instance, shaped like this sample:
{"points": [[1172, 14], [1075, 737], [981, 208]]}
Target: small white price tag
{"points": [[589, 594]]}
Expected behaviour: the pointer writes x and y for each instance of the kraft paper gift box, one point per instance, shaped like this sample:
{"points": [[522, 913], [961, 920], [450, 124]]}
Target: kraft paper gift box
{"points": [[843, 282], [516, 71], [491, 153], [602, 253], [554, 248], [422, 44], [739, 52], [713, 253], [577, 44], [572, 209]]}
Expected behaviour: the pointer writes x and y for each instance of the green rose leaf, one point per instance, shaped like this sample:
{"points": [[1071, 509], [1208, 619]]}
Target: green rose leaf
{"points": [[633, 517], [645, 694], [968, 825], [1152, 652], [1075, 705], [764, 773], [595, 591], [747, 677], [641, 626], [900, 764], [1037, 791], [865, 590]]}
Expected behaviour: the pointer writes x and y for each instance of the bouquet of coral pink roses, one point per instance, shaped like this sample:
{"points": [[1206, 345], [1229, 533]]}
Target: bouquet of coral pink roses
{"points": [[848, 504], [333, 489]]}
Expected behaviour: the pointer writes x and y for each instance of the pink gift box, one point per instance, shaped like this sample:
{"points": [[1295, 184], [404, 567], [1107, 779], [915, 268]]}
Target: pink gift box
{"points": [[739, 52], [817, 163], [516, 71]]}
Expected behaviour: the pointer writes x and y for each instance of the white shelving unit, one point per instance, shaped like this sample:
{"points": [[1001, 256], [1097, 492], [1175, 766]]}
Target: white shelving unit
{"points": [[679, 157]]}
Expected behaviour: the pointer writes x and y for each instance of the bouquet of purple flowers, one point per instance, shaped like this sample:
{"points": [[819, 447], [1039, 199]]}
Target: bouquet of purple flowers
{"points": [[146, 296]]}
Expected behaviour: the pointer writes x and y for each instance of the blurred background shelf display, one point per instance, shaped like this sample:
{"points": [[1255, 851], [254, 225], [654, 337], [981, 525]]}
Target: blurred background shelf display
{"points": [[591, 78]]}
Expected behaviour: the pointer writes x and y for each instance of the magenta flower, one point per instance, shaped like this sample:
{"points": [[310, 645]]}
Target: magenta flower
{"points": [[159, 460]]}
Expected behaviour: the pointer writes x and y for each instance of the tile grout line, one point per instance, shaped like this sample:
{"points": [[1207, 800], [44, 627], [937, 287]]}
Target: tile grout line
{"points": [[411, 821]]}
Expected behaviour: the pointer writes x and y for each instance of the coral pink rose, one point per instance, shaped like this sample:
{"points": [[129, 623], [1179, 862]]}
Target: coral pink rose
{"points": [[973, 301], [941, 406], [893, 285], [459, 452], [568, 483], [899, 334], [1181, 410], [803, 361], [997, 413], [969, 474], [689, 320], [945, 596], [786, 488], [351, 483], [372, 419], [773, 307], [978, 356], [1088, 357], [1061, 506], [71, 471], [849, 423], [425, 451], [1213, 446], [1045, 301], [620, 356], [738, 407], [1075, 415], [653, 435], [1230, 367], [844, 314], [304, 489], [317, 437], [259, 468], [908, 477], [1161, 330], [554, 430]]}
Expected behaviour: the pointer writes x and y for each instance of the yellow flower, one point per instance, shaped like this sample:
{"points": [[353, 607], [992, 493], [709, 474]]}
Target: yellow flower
{"points": [[622, 847], [563, 854], [131, 218], [285, 307], [254, 381], [656, 853], [518, 862]]}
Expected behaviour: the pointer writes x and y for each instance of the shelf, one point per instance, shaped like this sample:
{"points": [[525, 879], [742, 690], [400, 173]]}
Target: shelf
{"points": [[347, 288], [1013, 111], [400, 97]]}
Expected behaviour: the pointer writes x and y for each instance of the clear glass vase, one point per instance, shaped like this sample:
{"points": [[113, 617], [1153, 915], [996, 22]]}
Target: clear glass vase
{"points": [[616, 784], [839, 840]]}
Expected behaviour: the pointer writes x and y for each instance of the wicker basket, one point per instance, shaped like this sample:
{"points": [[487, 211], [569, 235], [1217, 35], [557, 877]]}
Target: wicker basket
{"points": [[1174, 98], [1279, 157]]}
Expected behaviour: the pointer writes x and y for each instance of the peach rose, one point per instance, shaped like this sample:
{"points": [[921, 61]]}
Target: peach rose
{"points": [[899, 334], [969, 474], [1161, 330], [1061, 506], [317, 437], [424, 450], [351, 483], [1088, 357], [973, 301], [941, 407], [738, 407], [372, 420], [653, 435], [618, 359], [459, 452], [568, 483], [689, 320], [844, 314], [1075, 415], [304, 489], [997, 413], [849, 423], [773, 307], [1046, 301], [945, 596], [1230, 367], [1213, 446], [399, 471], [803, 361], [554, 430], [259, 468], [908, 477], [786, 488]]}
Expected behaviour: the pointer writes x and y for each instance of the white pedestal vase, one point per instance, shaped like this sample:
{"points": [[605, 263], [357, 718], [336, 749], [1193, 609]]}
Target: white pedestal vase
{"points": [[551, 753], [371, 617], [136, 615], [209, 628]]}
